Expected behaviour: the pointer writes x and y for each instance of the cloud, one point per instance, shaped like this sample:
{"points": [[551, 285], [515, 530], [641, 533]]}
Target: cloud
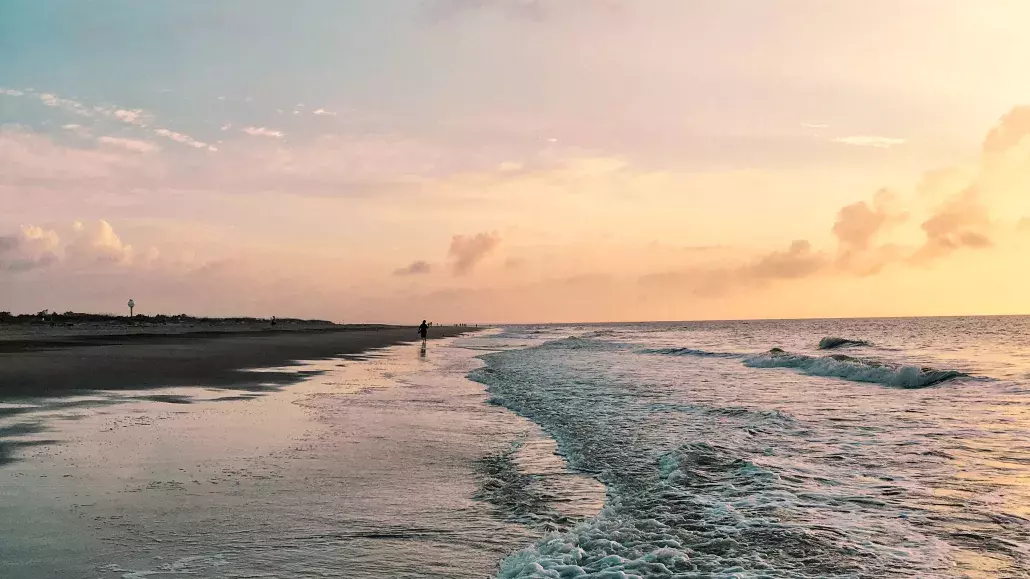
{"points": [[798, 261], [958, 219], [857, 227], [133, 117], [37, 161], [11, 92], [129, 144], [97, 243], [508, 166], [962, 222], [262, 132], [77, 129], [466, 252], [869, 141], [1011, 130], [857, 224], [31, 248], [414, 268], [814, 126], [68, 105], [184, 139], [323, 112], [137, 117]]}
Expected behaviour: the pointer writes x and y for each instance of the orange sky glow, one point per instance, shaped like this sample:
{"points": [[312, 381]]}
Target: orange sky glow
{"points": [[506, 161]]}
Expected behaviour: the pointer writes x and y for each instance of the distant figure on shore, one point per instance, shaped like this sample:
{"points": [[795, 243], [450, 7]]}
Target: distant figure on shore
{"points": [[423, 332]]}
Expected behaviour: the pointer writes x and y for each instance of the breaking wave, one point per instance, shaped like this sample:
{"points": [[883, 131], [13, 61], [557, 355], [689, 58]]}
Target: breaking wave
{"points": [[832, 343], [854, 369], [690, 352], [677, 505]]}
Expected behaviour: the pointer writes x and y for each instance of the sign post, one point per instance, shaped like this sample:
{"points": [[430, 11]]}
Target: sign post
{"points": [[132, 304]]}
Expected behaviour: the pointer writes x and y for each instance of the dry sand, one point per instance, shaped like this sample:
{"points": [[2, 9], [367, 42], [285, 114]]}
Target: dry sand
{"points": [[47, 361]]}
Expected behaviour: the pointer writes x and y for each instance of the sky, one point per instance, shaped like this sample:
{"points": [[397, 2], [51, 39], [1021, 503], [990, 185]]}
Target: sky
{"points": [[488, 161]]}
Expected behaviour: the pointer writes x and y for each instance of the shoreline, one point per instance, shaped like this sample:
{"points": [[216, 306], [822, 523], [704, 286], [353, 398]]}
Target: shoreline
{"points": [[50, 365], [369, 467]]}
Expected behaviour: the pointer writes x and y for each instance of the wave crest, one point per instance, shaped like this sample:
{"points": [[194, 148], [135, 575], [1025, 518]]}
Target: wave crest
{"points": [[690, 352], [832, 343], [854, 369]]}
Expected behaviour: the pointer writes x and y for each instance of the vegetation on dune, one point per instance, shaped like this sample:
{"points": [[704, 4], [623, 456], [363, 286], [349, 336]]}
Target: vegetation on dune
{"points": [[48, 317]]}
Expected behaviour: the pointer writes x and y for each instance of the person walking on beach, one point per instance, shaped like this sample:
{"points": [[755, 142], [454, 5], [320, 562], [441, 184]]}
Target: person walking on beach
{"points": [[423, 332]]}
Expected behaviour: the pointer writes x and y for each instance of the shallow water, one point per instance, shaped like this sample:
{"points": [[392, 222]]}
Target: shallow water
{"points": [[366, 468], [719, 449], [722, 458]]}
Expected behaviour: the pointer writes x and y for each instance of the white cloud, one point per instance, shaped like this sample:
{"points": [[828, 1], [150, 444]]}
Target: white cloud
{"points": [[814, 126], [136, 117], [31, 248], [98, 243], [226, 126], [130, 144], [184, 139], [77, 129], [133, 117], [30, 159], [869, 141], [72, 106], [323, 112], [262, 132]]}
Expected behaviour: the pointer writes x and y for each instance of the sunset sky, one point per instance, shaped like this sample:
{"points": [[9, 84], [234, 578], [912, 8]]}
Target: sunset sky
{"points": [[516, 160]]}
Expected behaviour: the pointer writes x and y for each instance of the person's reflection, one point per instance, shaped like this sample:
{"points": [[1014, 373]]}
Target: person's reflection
{"points": [[422, 351]]}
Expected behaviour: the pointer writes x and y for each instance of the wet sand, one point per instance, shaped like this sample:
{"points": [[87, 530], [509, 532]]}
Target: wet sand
{"points": [[368, 466], [62, 360]]}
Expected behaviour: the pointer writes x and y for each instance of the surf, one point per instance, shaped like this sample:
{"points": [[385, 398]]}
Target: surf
{"points": [[855, 369]]}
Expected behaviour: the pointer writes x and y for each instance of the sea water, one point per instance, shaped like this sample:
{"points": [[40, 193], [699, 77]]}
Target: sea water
{"points": [[836, 448]]}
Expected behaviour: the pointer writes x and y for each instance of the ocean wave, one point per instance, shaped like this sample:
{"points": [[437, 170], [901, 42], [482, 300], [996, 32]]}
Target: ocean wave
{"points": [[832, 343], [568, 343], [600, 334], [690, 352], [854, 369], [581, 343], [677, 504]]}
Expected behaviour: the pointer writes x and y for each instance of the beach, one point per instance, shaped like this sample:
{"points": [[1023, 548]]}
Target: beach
{"points": [[378, 459], [795, 449], [41, 360]]}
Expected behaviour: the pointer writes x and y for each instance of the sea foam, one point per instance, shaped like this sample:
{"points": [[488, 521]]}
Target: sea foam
{"points": [[854, 369]]}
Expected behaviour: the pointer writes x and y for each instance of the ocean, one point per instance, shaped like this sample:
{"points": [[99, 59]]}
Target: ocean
{"points": [[823, 448], [780, 449]]}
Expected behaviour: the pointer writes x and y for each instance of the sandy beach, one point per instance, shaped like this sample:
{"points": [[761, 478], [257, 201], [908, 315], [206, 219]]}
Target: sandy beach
{"points": [[388, 464], [42, 360]]}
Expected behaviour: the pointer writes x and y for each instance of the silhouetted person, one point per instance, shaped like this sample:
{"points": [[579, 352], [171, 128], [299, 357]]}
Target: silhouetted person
{"points": [[423, 332]]}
